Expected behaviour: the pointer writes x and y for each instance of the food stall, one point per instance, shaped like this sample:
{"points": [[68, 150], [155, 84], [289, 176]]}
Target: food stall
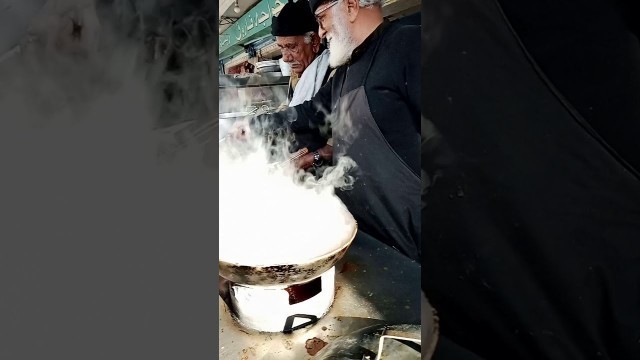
{"points": [[361, 300]]}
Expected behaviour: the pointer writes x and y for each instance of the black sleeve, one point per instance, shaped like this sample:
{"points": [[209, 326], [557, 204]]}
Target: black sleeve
{"points": [[309, 115]]}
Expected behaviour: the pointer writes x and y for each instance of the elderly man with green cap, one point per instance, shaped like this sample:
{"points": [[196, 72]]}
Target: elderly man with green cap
{"points": [[296, 32]]}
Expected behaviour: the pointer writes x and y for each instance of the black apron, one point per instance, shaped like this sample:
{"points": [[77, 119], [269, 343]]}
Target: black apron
{"points": [[385, 198], [532, 230]]}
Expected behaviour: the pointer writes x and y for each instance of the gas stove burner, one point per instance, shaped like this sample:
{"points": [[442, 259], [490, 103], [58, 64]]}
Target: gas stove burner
{"points": [[284, 308]]}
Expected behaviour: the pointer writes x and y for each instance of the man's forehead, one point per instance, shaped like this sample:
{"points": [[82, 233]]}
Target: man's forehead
{"points": [[284, 40], [322, 5]]}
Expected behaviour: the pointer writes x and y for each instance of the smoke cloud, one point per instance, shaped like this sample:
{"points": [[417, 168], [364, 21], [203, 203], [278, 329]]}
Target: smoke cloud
{"points": [[273, 213]]}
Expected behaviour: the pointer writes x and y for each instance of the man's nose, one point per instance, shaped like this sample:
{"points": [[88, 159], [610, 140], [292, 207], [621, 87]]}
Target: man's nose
{"points": [[322, 32], [287, 57]]}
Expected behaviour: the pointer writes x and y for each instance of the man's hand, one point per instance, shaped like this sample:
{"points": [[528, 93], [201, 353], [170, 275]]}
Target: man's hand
{"points": [[306, 161]]}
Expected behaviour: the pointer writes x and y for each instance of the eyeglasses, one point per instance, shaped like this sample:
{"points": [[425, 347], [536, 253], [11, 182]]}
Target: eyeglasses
{"points": [[322, 9], [290, 48]]}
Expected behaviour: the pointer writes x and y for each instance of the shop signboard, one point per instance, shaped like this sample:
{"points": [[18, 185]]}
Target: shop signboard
{"points": [[254, 24]]}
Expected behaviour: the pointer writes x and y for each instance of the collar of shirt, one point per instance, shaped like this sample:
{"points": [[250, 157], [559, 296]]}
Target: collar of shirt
{"points": [[375, 35]]}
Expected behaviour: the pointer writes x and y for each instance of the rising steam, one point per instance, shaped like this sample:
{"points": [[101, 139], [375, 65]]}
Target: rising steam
{"points": [[272, 213]]}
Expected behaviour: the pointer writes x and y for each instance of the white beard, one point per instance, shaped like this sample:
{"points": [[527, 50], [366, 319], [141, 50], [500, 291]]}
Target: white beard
{"points": [[341, 45]]}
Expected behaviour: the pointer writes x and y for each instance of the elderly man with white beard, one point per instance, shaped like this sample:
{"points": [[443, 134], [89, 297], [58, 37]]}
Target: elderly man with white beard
{"points": [[372, 103]]}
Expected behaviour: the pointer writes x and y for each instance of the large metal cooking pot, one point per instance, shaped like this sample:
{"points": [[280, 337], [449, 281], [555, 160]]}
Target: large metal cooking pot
{"points": [[268, 66], [284, 274]]}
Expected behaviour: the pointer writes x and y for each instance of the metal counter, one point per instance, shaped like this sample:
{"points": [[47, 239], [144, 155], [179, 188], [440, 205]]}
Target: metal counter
{"points": [[375, 285]]}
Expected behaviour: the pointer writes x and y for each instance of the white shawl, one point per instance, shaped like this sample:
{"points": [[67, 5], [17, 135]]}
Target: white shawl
{"points": [[311, 80]]}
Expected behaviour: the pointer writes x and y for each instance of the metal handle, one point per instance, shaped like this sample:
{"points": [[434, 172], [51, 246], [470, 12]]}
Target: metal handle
{"points": [[383, 337]]}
